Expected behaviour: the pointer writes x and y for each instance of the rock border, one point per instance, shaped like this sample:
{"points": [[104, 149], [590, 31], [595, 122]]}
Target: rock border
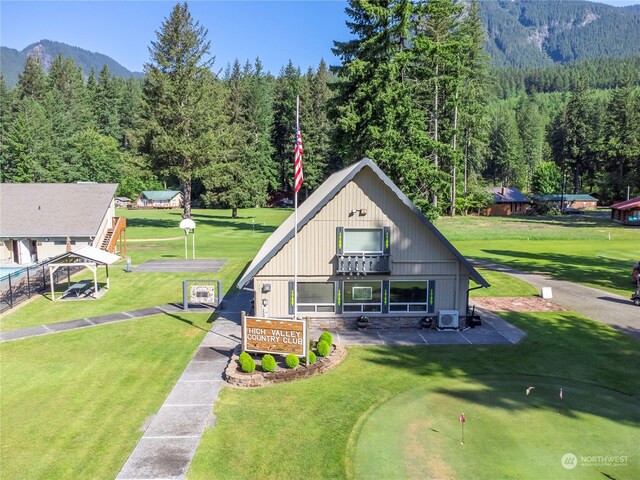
{"points": [[237, 378]]}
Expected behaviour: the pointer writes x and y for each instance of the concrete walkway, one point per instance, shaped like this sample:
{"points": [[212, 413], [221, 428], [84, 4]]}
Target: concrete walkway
{"points": [[50, 328], [169, 442], [605, 307]]}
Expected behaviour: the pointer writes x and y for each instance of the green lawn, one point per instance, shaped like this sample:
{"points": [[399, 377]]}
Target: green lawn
{"points": [[73, 403], [587, 249], [218, 236], [325, 427]]}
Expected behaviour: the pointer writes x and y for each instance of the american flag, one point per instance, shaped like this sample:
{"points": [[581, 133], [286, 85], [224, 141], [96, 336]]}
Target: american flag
{"points": [[298, 177]]}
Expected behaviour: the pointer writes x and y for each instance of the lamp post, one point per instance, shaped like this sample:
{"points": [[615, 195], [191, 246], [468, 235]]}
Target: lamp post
{"points": [[188, 225]]}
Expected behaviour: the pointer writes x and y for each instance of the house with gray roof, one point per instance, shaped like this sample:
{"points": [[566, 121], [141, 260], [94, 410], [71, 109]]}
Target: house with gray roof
{"points": [[580, 201], [43, 220], [160, 199], [364, 250], [507, 201]]}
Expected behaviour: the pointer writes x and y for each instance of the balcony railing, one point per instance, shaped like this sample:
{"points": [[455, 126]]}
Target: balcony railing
{"points": [[363, 264]]}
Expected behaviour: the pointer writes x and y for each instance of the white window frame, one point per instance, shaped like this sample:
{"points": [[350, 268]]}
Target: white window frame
{"points": [[361, 307], [407, 305], [313, 307]]}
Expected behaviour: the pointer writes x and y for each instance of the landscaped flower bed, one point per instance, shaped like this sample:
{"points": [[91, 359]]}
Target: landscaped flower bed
{"points": [[259, 378]]}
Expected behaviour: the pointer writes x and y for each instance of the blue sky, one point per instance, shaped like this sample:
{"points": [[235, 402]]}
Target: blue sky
{"points": [[275, 31]]}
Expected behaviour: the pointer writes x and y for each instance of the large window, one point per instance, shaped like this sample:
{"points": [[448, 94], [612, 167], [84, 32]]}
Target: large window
{"points": [[363, 240], [362, 296], [408, 296], [316, 297]]}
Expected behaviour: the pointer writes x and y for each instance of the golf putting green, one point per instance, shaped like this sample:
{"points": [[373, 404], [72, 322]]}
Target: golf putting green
{"points": [[507, 434]]}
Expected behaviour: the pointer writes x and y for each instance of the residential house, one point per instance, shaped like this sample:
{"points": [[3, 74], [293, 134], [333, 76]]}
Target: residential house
{"points": [[575, 201], [43, 220], [160, 199], [507, 201], [364, 250], [627, 213]]}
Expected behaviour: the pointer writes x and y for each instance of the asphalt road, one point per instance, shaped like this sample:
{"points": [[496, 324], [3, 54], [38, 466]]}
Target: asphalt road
{"points": [[614, 310]]}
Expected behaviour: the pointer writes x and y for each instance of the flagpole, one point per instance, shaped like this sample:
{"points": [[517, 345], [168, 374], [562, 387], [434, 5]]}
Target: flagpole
{"points": [[295, 236]]}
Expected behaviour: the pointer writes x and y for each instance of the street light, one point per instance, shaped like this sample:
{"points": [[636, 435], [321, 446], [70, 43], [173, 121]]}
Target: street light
{"points": [[188, 225]]}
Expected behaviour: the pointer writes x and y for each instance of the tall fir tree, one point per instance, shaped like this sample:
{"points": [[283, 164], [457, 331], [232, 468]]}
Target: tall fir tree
{"points": [[375, 112], [183, 101], [32, 82], [316, 127], [622, 144], [287, 88]]}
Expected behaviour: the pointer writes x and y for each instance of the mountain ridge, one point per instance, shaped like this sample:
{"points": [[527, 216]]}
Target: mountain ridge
{"points": [[12, 60]]}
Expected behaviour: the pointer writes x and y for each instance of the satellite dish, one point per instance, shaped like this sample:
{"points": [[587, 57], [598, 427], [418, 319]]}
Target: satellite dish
{"points": [[187, 224]]}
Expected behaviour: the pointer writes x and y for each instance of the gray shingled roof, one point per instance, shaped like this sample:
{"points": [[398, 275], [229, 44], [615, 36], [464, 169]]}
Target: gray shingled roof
{"points": [[507, 195], [319, 198], [53, 209]]}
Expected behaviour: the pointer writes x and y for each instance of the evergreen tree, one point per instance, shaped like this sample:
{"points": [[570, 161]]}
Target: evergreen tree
{"points": [[234, 182], [27, 146], [258, 100], [546, 179], [316, 128], [182, 99], [106, 105], [439, 46], [531, 126], [287, 88], [506, 166], [573, 134], [622, 127], [32, 82], [94, 157], [376, 115]]}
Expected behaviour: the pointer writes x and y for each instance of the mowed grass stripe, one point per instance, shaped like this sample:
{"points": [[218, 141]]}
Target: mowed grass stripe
{"points": [[73, 403]]}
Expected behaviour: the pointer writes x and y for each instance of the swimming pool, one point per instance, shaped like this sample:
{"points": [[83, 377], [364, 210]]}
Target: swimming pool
{"points": [[4, 271]]}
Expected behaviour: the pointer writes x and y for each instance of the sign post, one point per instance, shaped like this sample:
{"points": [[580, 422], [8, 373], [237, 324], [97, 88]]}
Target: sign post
{"points": [[461, 419]]}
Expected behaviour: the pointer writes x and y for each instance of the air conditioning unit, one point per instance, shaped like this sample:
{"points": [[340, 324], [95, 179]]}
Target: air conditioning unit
{"points": [[448, 319]]}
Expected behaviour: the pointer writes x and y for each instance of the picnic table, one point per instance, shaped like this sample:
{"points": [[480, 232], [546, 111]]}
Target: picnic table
{"points": [[75, 289]]}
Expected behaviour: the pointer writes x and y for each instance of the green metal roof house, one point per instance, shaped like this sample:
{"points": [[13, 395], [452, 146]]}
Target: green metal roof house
{"points": [[160, 199], [577, 201]]}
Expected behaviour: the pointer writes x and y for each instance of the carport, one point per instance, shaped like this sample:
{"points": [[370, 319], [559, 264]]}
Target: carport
{"points": [[87, 257]]}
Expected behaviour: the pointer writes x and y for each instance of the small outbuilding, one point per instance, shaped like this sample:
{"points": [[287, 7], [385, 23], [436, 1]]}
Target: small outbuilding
{"points": [[364, 250], [160, 199], [507, 201], [627, 213]]}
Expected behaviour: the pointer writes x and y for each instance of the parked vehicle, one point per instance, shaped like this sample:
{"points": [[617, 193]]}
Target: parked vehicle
{"points": [[635, 298]]}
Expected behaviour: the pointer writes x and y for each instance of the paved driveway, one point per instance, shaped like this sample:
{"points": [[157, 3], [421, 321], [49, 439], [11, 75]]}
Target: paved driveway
{"points": [[605, 307]]}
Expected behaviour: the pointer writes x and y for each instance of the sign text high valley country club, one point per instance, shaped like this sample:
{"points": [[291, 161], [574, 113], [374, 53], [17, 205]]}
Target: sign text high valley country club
{"points": [[268, 335]]}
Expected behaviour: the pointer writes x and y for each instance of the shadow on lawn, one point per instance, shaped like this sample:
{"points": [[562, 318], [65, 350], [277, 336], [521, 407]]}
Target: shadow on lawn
{"points": [[575, 268], [238, 223], [561, 350]]}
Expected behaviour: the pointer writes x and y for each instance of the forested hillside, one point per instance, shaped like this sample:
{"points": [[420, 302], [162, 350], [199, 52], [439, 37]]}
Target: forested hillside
{"points": [[12, 61], [413, 91], [534, 33]]}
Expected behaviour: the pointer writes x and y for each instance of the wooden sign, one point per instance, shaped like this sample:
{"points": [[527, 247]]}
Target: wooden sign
{"points": [[270, 335]]}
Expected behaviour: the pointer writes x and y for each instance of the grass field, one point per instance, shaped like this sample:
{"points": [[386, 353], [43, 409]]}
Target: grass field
{"points": [[73, 403], [588, 249], [340, 425]]}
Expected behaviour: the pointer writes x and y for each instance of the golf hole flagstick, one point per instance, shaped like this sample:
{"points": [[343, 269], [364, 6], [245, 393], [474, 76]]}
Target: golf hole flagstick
{"points": [[461, 419]]}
